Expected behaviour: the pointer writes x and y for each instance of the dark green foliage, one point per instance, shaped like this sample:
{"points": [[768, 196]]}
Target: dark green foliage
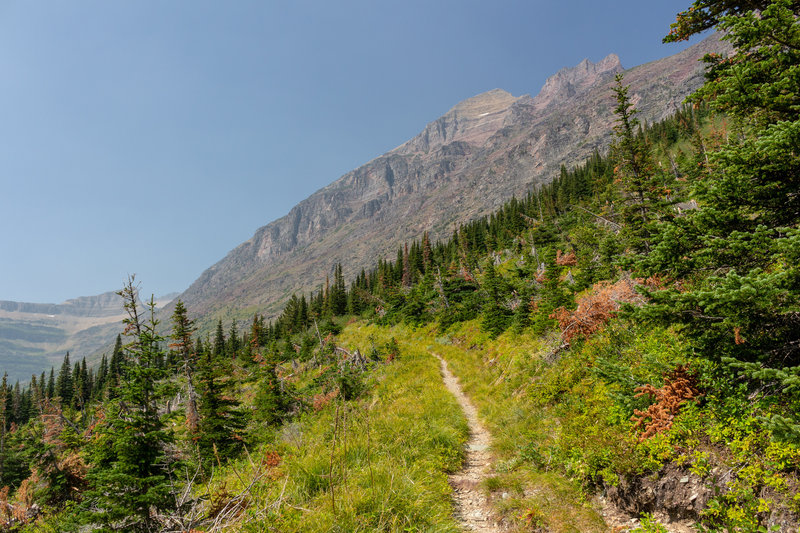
{"points": [[338, 292], [101, 377], [64, 384], [234, 343], [271, 400], [329, 327], [392, 349], [705, 14], [184, 359], [522, 314], [130, 473], [221, 424], [83, 385], [496, 316], [738, 254], [463, 301], [643, 185], [115, 368], [350, 381], [51, 385], [416, 308], [219, 340]]}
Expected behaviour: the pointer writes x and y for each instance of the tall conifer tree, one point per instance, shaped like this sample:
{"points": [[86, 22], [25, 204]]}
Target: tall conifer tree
{"points": [[747, 230], [129, 475], [64, 384], [186, 358]]}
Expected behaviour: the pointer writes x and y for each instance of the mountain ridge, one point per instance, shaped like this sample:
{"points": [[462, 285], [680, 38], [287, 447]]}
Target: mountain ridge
{"points": [[574, 80], [105, 304], [461, 165]]}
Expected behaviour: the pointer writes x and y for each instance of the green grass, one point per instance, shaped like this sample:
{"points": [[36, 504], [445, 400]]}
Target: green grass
{"points": [[379, 463], [499, 375]]}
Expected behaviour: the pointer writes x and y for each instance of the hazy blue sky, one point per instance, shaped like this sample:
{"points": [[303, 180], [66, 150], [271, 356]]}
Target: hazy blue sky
{"points": [[152, 137]]}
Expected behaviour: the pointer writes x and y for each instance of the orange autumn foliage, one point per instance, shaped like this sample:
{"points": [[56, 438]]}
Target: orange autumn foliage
{"points": [[566, 259], [272, 459], [596, 308], [319, 401], [680, 386]]}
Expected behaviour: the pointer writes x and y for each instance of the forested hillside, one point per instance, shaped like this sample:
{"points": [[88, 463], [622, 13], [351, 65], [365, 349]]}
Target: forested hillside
{"points": [[629, 334], [461, 166]]}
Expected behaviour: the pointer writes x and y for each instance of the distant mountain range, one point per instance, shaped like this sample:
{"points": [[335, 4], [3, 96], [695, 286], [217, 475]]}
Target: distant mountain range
{"points": [[35, 336], [461, 166]]}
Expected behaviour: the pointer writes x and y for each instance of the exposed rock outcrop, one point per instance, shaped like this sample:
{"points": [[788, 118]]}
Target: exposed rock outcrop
{"points": [[570, 82], [675, 492]]}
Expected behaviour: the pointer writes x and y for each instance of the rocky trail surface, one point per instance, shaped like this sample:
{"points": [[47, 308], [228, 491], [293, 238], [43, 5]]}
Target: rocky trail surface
{"points": [[472, 507]]}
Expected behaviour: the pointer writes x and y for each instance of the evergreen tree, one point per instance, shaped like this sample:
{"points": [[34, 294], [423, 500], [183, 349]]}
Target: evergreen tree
{"points": [[234, 342], [86, 382], [37, 391], [26, 402], [16, 404], [220, 422], [338, 292], [495, 315], [522, 314], [64, 384], [102, 375], [705, 14], [129, 476], [256, 332], [643, 187], [219, 340], [406, 276], [51, 385], [302, 313], [270, 401], [427, 252], [4, 415], [354, 303], [115, 368], [185, 357], [746, 232]]}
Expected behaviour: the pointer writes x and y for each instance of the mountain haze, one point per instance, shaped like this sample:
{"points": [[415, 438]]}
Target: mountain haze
{"points": [[35, 336], [461, 166]]}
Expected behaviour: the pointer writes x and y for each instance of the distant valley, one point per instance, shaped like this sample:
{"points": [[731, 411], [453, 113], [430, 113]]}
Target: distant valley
{"points": [[34, 336]]}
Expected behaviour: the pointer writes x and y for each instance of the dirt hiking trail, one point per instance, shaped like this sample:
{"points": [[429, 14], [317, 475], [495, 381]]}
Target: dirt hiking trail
{"points": [[472, 508]]}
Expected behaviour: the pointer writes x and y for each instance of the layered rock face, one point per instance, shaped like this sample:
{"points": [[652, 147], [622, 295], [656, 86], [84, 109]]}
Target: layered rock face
{"points": [[461, 166]]}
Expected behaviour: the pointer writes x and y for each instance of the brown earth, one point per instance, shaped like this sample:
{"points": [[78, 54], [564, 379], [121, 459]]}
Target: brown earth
{"points": [[472, 508]]}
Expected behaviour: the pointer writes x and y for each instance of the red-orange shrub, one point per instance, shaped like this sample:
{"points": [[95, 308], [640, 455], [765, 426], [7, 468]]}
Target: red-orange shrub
{"points": [[596, 308], [680, 386], [566, 259]]}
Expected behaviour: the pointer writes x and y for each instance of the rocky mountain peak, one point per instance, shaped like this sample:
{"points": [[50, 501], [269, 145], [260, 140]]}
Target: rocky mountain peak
{"points": [[570, 81], [473, 121], [483, 104]]}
